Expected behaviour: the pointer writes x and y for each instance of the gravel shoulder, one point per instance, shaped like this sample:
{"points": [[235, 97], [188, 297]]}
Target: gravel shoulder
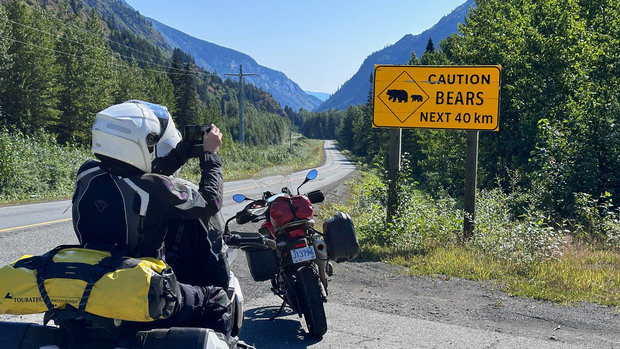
{"points": [[387, 288]]}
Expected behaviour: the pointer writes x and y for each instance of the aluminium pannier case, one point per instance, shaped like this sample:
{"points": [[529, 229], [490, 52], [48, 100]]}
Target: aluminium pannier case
{"points": [[340, 238], [98, 282]]}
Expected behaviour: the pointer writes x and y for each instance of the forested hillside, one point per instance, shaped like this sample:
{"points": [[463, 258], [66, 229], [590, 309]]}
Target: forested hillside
{"points": [[61, 62], [557, 152]]}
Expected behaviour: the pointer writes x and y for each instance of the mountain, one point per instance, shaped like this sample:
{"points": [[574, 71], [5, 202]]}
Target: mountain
{"points": [[123, 16], [320, 95], [222, 60], [209, 56], [355, 90]]}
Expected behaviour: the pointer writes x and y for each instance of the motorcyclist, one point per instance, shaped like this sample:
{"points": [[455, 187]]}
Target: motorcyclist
{"points": [[127, 199]]}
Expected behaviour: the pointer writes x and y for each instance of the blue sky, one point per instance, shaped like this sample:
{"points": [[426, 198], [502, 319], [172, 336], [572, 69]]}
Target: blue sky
{"points": [[319, 44]]}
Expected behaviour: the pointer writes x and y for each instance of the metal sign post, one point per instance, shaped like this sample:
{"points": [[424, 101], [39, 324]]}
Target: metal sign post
{"points": [[394, 168], [471, 174]]}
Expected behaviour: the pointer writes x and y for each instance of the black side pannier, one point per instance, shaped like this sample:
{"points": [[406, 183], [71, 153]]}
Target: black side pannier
{"points": [[263, 263], [340, 238]]}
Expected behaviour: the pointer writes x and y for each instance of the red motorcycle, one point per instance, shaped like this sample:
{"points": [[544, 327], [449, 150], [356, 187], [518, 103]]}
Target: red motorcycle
{"points": [[289, 251]]}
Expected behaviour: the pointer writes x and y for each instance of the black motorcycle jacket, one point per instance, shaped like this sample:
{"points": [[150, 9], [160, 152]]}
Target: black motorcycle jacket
{"points": [[114, 205]]}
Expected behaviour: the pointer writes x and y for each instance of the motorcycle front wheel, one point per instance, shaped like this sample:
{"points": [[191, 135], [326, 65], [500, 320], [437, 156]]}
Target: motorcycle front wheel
{"points": [[311, 301]]}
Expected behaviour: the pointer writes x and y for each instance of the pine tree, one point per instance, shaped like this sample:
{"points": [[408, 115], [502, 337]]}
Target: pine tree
{"points": [[87, 79], [5, 59], [130, 83], [187, 102], [413, 60], [430, 47], [29, 87], [159, 88]]}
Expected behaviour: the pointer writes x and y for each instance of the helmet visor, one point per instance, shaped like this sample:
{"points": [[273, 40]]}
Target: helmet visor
{"points": [[161, 113]]}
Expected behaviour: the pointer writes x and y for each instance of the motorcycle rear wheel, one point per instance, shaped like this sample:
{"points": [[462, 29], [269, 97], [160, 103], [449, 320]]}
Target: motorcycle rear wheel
{"points": [[311, 301]]}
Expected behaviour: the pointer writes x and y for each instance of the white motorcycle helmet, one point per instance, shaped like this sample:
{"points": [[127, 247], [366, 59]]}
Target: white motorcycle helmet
{"points": [[134, 132]]}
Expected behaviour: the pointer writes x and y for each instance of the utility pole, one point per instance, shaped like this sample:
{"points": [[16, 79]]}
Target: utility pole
{"points": [[241, 127]]}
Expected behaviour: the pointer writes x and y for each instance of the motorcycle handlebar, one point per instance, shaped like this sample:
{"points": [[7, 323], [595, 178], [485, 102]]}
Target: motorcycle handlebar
{"points": [[235, 239]]}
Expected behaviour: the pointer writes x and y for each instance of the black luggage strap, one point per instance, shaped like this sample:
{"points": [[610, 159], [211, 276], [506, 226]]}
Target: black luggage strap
{"points": [[293, 208], [39, 264], [46, 268], [105, 265]]}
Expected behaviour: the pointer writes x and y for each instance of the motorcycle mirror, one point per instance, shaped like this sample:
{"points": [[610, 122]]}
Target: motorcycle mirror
{"points": [[239, 197], [310, 176]]}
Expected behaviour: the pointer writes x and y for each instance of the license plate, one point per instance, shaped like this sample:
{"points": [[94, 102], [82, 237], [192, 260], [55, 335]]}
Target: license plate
{"points": [[303, 254]]}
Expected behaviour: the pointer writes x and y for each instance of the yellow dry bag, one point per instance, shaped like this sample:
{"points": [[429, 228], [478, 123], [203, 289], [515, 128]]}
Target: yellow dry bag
{"points": [[97, 282]]}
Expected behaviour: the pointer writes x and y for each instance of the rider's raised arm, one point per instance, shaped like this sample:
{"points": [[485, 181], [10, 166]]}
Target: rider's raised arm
{"points": [[177, 197], [211, 182]]}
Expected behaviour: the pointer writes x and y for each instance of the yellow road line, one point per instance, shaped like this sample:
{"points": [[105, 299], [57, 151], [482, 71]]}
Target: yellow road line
{"points": [[34, 225], [240, 189], [67, 219]]}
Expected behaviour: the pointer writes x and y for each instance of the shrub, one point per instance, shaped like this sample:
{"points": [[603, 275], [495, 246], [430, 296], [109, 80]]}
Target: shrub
{"points": [[597, 222], [424, 223], [37, 168], [243, 161], [421, 222]]}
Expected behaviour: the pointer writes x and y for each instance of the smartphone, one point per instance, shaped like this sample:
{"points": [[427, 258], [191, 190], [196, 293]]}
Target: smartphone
{"points": [[195, 133]]}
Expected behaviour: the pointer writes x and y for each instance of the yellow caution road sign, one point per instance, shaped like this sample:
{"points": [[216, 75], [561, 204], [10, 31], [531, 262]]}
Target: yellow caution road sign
{"points": [[448, 97]]}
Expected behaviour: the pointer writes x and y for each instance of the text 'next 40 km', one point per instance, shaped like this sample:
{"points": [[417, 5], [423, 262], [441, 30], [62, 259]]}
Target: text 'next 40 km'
{"points": [[446, 97]]}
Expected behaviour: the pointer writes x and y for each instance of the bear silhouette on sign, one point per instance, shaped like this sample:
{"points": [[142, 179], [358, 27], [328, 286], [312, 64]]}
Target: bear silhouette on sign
{"points": [[416, 98], [398, 95]]}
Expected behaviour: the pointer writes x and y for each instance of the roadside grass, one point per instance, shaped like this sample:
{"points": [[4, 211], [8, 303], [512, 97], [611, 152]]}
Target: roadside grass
{"points": [[36, 169], [581, 274], [522, 256], [41, 169], [241, 162]]}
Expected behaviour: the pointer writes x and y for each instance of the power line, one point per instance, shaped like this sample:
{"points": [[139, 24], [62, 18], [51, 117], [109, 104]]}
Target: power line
{"points": [[170, 69]]}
